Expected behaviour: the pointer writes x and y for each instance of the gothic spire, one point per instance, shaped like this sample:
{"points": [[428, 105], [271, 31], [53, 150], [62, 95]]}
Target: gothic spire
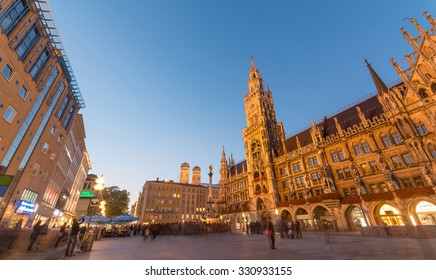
{"points": [[380, 85]]}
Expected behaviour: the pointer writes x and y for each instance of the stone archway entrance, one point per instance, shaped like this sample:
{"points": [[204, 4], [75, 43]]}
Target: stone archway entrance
{"points": [[285, 216], [305, 220], [388, 214], [323, 220], [355, 218]]}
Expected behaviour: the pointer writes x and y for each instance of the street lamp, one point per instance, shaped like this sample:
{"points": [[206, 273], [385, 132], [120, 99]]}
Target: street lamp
{"points": [[99, 186]]}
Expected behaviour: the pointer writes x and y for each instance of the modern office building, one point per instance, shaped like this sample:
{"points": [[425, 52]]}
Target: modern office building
{"points": [[43, 158], [170, 202], [371, 163]]}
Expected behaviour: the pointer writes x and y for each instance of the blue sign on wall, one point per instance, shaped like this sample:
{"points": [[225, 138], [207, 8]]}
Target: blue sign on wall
{"points": [[25, 207]]}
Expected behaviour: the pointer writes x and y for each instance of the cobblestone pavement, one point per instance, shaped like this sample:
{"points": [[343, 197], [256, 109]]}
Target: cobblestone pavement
{"points": [[238, 246]]}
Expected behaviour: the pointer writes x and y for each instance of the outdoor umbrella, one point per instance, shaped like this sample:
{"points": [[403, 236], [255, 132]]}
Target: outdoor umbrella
{"points": [[97, 219], [124, 218]]}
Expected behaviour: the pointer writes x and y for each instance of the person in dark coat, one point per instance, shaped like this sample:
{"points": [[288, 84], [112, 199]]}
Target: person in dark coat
{"points": [[34, 235], [75, 228], [269, 229], [297, 229]]}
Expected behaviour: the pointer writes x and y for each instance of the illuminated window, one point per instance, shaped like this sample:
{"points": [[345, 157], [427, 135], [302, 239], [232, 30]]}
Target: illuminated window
{"points": [[29, 195], [50, 197]]}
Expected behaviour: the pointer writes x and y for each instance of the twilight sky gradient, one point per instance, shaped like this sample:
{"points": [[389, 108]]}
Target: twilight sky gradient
{"points": [[164, 81]]}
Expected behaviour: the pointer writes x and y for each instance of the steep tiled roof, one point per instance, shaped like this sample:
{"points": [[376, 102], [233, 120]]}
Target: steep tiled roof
{"points": [[347, 118]]}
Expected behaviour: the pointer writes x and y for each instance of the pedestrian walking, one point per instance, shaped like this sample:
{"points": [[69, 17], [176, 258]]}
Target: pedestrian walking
{"points": [[269, 229], [75, 228], [61, 235], [15, 233], [34, 235], [297, 229]]}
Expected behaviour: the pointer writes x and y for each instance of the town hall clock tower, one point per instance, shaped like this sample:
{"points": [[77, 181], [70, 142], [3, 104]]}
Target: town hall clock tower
{"points": [[263, 141]]}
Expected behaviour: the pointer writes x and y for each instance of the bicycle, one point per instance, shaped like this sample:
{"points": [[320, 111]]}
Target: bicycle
{"points": [[85, 242]]}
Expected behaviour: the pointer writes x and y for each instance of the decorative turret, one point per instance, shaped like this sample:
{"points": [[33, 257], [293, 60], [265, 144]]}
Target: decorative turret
{"points": [[224, 169]]}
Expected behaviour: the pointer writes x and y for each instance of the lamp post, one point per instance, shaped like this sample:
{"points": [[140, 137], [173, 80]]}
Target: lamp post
{"points": [[99, 186]]}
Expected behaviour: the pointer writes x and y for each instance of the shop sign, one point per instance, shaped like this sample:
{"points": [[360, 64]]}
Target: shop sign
{"points": [[25, 207]]}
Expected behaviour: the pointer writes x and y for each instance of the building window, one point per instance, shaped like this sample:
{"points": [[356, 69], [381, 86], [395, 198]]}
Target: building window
{"points": [[358, 150], [421, 128], [397, 138], [335, 158], [341, 155], [340, 174], [44, 174], [7, 72], [347, 172], [313, 161], [386, 141], [28, 42], [12, 16], [407, 158], [433, 153], [374, 188], [62, 108], [44, 148], [366, 168], [9, 115], [39, 64], [29, 196], [52, 155], [374, 166], [407, 183], [35, 169], [23, 92], [383, 187], [366, 148], [50, 197], [418, 181], [316, 176], [397, 161], [53, 130], [69, 117], [296, 166]]}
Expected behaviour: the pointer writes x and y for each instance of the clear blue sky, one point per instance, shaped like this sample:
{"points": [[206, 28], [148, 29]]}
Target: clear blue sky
{"points": [[164, 81]]}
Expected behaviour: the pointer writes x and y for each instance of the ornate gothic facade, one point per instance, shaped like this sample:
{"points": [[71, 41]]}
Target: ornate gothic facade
{"points": [[371, 163]]}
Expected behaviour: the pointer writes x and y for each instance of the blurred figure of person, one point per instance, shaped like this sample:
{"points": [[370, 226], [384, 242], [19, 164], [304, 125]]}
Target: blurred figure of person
{"points": [[291, 229], [297, 229], [269, 229], [62, 233], [75, 228], [15, 233], [34, 235]]}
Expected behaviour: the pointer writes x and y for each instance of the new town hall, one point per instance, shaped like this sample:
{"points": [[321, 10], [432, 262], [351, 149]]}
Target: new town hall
{"points": [[374, 162]]}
